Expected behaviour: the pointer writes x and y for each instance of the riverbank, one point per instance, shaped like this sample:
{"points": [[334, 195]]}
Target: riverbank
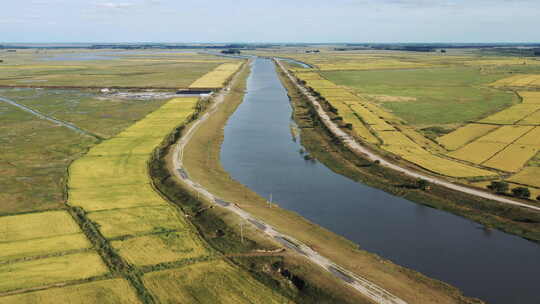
{"points": [[335, 155], [202, 161]]}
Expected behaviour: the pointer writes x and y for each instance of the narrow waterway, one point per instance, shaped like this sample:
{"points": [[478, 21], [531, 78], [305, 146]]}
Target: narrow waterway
{"points": [[259, 151]]}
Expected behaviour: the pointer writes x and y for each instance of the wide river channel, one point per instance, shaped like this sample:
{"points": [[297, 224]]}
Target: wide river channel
{"points": [[259, 151]]}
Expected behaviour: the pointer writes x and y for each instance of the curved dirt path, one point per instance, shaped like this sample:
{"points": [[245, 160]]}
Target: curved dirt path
{"points": [[358, 148], [367, 288], [49, 118]]}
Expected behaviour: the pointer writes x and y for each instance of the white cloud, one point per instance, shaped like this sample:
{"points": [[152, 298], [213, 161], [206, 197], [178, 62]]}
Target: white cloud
{"points": [[115, 5]]}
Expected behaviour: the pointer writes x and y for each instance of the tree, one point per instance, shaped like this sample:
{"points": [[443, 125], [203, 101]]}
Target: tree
{"points": [[538, 198], [498, 187], [422, 184], [521, 192]]}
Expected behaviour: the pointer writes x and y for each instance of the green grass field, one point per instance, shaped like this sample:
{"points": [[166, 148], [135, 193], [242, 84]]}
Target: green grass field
{"points": [[429, 96], [35, 153], [87, 109]]}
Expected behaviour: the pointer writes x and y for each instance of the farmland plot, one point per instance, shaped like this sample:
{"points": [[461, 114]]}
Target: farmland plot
{"points": [[524, 80], [209, 282], [36, 225], [527, 176], [51, 270], [115, 291], [217, 78], [512, 114], [512, 158], [464, 135], [160, 248]]}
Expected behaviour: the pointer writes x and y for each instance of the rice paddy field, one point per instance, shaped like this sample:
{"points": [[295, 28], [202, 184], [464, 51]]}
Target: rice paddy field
{"points": [[463, 115], [35, 153], [209, 282], [47, 253], [109, 68], [217, 78], [107, 291]]}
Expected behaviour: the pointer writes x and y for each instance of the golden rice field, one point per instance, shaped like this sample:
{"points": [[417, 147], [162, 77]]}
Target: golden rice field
{"points": [[527, 176], [209, 282], [464, 135], [217, 78], [512, 115], [421, 140], [374, 125], [36, 225], [530, 97], [478, 151], [114, 291], [436, 164], [506, 134], [524, 80], [532, 138], [42, 246], [116, 197], [112, 184], [160, 248], [512, 158], [37, 249], [40, 272], [134, 221]]}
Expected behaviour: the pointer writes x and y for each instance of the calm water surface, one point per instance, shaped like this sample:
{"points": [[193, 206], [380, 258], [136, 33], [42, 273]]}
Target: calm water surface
{"points": [[258, 151]]}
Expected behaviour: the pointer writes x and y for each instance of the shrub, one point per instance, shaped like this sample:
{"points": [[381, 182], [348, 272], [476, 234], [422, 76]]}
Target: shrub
{"points": [[521, 192], [498, 187]]}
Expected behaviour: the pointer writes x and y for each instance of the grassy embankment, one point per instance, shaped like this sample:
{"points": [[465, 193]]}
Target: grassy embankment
{"points": [[35, 153], [201, 159], [220, 229]]}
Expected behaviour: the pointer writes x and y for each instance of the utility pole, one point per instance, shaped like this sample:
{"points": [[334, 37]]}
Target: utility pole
{"points": [[242, 231], [270, 201]]}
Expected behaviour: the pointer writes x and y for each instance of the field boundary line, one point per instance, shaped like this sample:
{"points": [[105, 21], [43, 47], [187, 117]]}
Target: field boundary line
{"points": [[50, 118], [513, 142]]}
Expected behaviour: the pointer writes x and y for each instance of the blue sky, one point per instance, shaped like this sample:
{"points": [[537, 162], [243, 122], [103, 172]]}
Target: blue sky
{"points": [[270, 21]]}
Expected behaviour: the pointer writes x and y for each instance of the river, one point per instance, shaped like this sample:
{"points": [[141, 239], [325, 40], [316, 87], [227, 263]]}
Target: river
{"points": [[259, 152]]}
